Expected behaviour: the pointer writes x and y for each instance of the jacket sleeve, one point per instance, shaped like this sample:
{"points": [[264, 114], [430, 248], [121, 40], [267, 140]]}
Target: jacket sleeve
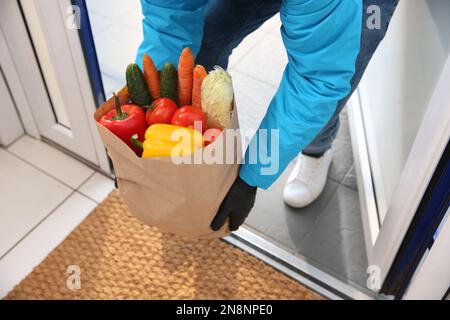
{"points": [[168, 27], [322, 40]]}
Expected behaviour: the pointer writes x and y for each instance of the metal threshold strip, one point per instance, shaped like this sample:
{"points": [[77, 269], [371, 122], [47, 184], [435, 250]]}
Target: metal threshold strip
{"points": [[294, 267]]}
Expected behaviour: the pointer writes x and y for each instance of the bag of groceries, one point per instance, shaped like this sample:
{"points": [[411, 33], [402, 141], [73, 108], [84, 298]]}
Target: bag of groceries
{"points": [[168, 135]]}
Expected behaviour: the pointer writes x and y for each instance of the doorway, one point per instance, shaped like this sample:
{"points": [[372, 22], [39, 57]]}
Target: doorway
{"points": [[313, 233], [329, 245], [54, 106], [334, 240]]}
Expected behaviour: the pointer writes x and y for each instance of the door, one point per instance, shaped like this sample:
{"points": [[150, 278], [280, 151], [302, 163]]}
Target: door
{"points": [[400, 121], [426, 235], [43, 41]]}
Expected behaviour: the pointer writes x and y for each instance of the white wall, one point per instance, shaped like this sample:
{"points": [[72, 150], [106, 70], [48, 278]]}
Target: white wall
{"points": [[398, 85]]}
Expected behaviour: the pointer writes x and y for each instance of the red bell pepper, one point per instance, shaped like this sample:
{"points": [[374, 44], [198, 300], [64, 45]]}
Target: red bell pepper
{"points": [[124, 121]]}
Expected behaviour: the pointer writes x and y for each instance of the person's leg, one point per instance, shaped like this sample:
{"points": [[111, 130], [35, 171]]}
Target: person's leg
{"points": [[227, 23], [370, 39], [307, 181]]}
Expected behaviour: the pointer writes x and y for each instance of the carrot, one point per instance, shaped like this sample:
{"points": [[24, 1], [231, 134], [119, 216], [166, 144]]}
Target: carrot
{"points": [[199, 75], [151, 76], [185, 70]]}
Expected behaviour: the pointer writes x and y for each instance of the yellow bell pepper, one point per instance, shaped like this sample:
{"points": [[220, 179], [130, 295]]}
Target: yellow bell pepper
{"points": [[163, 140]]}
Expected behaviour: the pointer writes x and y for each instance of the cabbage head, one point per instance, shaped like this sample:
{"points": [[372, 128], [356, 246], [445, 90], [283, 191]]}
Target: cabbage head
{"points": [[217, 98]]}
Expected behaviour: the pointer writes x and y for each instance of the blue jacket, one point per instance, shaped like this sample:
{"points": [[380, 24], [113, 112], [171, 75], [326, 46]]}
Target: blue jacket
{"points": [[322, 41]]}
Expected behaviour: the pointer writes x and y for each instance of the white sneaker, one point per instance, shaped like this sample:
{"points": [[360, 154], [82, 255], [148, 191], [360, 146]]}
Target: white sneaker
{"points": [[307, 180]]}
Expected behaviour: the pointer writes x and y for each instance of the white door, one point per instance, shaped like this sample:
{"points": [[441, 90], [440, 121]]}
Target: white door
{"points": [[51, 69], [400, 124]]}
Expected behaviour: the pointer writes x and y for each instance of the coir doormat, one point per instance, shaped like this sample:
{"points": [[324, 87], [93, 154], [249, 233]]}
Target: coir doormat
{"points": [[111, 255]]}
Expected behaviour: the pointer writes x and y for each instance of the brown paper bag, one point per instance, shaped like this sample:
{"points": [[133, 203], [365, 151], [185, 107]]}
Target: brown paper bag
{"points": [[178, 198]]}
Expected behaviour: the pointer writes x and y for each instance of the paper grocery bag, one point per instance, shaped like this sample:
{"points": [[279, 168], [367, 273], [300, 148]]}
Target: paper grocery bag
{"points": [[177, 198]]}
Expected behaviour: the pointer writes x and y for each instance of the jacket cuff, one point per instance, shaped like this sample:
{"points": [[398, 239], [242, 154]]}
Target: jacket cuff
{"points": [[253, 178]]}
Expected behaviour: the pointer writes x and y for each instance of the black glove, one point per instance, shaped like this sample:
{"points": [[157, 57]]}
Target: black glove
{"points": [[237, 205]]}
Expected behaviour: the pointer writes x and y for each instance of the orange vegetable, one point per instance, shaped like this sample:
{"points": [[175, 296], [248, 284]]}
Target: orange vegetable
{"points": [[185, 74], [151, 76], [199, 75]]}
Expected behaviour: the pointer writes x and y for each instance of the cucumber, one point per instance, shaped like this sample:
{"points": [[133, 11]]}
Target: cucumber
{"points": [[169, 82], [137, 88]]}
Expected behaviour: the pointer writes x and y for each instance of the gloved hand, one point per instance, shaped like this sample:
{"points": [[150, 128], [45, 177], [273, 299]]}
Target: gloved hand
{"points": [[236, 206]]}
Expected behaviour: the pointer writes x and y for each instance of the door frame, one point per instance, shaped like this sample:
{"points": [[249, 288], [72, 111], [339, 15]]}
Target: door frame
{"points": [[12, 51], [64, 53], [90, 101], [296, 266], [10, 125], [432, 279], [383, 241]]}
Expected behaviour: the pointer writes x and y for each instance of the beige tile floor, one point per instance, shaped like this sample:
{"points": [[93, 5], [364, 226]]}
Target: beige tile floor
{"points": [[45, 194]]}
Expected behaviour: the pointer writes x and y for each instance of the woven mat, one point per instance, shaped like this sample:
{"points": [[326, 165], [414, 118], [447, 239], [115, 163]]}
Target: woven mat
{"points": [[120, 258]]}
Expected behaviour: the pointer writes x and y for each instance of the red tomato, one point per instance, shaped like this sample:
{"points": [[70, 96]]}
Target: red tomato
{"points": [[211, 135], [161, 111], [187, 115]]}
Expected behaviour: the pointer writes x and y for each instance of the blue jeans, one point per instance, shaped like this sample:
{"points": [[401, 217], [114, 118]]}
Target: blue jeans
{"points": [[228, 22]]}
